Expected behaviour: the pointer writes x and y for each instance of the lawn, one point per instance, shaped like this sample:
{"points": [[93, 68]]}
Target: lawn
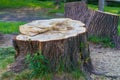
{"points": [[30, 3], [25, 3], [6, 58], [10, 27], [115, 10]]}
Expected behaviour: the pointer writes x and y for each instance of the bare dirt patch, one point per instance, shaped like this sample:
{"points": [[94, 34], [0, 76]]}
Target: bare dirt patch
{"points": [[6, 40], [27, 14], [106, 62]]}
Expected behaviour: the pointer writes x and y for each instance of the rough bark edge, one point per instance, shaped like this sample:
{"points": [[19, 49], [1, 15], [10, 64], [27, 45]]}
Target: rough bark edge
{"points": [[103, 32], [90, 14], [32, 46]]}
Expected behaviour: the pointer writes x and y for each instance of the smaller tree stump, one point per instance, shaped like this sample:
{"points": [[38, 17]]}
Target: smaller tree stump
{"points": [[77, 11], [60, 40], [102, 24]]}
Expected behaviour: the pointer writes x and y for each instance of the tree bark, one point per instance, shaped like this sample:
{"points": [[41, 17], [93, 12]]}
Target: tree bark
{"points": [[77, 11], [101, 4], [98, 23], [70, 50], [103, 24]]}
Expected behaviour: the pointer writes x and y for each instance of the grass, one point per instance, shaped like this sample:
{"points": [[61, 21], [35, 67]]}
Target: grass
{"points": [[106, 42], [115, 10], [78, 75], [7, 57], [10, 27], [25, 3], [25, 75], [31, 3]]}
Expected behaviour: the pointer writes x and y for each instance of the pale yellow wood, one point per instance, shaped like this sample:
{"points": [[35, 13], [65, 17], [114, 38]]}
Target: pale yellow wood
{"points": [[53, 29]]}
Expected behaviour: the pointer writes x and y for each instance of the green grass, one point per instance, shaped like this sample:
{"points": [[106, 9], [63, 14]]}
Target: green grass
{"points": [[10, 27], [25, 75], [106, 42], [31, 3], [55, 10], [78, 74], [25, 3], [115, 10], [6, 57]]}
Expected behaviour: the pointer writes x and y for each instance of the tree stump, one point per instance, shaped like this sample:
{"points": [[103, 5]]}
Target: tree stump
{"points": [[103, 24], [98, 23], [77, 11], [60, 40]]}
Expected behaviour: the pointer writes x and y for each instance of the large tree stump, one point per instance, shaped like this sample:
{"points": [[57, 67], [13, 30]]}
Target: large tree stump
{"points": [[98, 23], [66, 41]]}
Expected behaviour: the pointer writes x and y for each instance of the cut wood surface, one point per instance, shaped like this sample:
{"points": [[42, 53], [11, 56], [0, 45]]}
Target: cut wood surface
{"points": [[64, 41]]}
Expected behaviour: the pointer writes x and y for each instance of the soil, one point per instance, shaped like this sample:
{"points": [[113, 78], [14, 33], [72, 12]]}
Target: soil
{"points": [[27, 14], [106, 61], [6, 40]]}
